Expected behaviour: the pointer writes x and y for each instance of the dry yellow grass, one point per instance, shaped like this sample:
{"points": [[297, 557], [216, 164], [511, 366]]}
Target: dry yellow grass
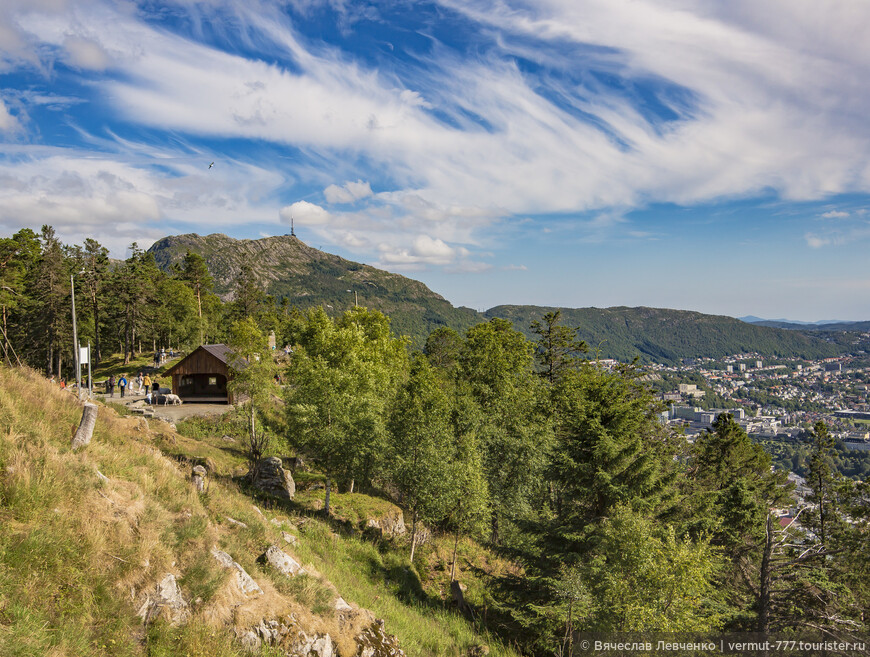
{"points": [[84, 535]]}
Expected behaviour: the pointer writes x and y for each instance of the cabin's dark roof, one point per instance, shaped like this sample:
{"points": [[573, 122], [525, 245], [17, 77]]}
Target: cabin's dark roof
{"points": [[220, 351]]}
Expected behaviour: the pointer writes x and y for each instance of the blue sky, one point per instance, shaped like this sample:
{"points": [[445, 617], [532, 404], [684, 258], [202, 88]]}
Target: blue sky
{"points": [[692, 154]]}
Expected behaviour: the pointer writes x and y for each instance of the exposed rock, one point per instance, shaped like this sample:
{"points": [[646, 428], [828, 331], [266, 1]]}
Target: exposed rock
{"points": [[481, 650], [289, 538], [390, 525], [102, 477], [227, 438], [457, 592], [341, 605], [374, 641], [164, 600], [245, 581], [281, 561], [287, 635], [198, 477], [237, 523], [271, 478]]}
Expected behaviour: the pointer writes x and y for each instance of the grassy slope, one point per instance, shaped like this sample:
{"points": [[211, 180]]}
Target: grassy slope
{"points": [[76, 552]]}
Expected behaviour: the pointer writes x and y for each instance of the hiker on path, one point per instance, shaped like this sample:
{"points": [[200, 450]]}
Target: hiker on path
{"points": [[139, 383], [146, 384], [122, 384], [155, 388], [110, 385]]}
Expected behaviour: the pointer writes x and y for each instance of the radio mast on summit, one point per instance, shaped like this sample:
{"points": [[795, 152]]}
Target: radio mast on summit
{"points": [[292, 232]]}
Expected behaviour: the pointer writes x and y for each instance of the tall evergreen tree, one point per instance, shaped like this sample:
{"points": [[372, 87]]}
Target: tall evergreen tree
{"points": [[50, 291], [95, 265], [194, 272], [557, 348], [248, 297]]}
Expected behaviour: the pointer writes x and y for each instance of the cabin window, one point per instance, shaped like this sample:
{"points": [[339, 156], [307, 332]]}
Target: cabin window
{"points": [[212, 380]]}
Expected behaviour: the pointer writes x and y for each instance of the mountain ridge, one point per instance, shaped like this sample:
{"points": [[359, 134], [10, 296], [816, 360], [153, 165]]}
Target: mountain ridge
{"points": [[285, 266]]}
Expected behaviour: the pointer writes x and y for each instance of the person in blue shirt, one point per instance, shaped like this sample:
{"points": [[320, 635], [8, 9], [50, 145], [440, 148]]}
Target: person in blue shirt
{"points": [[122, 384]]}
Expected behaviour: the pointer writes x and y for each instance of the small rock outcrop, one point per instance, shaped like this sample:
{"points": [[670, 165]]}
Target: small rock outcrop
{"points": [[245, 582], [389, 525], [457, 592], [198, 478], [166, 601], [374, 641], [281, 561], [287, 635], [270, 477]]}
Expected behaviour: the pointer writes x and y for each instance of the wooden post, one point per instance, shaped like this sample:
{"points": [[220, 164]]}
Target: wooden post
{"points": [[86, 428]]}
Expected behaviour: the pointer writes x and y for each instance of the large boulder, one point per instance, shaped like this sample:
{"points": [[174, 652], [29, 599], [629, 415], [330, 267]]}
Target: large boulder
{"points": [[270, 477]]}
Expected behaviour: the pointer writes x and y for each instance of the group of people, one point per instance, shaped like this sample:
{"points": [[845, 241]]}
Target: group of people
{"points": [[145, 385]]}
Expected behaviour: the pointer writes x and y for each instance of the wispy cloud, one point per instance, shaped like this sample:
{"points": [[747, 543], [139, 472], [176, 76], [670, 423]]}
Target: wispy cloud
{"points": [[570, 109]]}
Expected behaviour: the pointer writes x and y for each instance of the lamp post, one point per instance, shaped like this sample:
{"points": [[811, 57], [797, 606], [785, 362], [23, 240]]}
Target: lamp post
{"points": [[72, 288]]}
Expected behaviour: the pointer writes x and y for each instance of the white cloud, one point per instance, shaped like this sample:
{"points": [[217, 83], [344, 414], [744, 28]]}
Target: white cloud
{"points": [[85, 53], [815, 242], [8, 123], [304, 213], [118, 202], [835, 214], [515, 268], [764, 99], [348, 193]]}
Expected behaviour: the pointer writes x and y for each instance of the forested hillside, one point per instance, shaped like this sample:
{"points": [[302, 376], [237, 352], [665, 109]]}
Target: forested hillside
{"points": [[577, 510], [662, 335]]}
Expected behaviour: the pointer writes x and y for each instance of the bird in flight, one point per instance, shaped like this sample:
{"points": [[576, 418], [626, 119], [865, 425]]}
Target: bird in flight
{"points": [[211, 165]]}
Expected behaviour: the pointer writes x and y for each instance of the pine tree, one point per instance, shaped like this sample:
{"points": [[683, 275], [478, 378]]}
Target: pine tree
{"points": [[194, 272], [557, 349], [95, 263], [50, 291]]}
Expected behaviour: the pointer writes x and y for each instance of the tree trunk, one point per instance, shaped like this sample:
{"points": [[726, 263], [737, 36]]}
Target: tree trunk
{"points": [[350, 485], [86, 427], [764, 584], [199, 311], [455, 548], [96, 330], [326, 502], [413, 536]]}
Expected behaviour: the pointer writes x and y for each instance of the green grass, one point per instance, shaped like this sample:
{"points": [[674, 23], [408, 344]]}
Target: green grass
{"points": [[73, 547]]}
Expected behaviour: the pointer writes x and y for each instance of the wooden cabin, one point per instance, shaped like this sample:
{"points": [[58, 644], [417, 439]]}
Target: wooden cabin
{"points": [[202, 376]]}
